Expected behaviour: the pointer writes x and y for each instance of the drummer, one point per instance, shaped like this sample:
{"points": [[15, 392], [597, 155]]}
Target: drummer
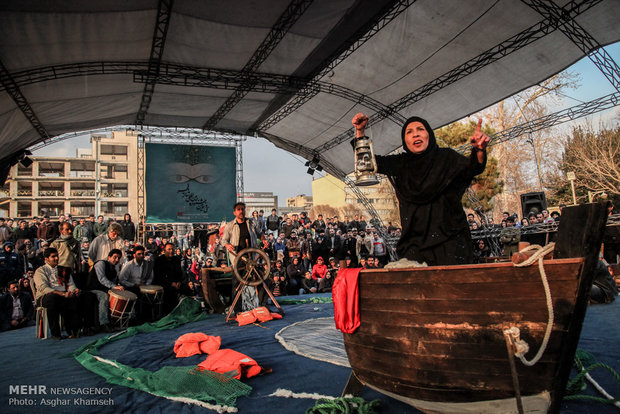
{"points": [[102, 278], [136, 272]]}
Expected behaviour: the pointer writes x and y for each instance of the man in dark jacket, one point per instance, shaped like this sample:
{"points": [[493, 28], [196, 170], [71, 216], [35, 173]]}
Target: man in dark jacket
{"points": [[169, 274], [16, 309], [129, 229]]}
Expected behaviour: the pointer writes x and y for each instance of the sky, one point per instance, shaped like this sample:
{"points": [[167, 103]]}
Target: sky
{"points": [[270, 169]]}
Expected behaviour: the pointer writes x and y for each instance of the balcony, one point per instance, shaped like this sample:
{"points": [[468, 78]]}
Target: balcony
{"points": [[115, 194], [83, 193], [51, 193]]}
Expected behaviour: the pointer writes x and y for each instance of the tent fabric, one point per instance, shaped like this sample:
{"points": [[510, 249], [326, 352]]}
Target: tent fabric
{"points": [[294, 72]]}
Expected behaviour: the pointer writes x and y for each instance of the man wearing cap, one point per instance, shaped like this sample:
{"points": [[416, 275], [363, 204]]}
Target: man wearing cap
{"points": [[10, 264]]}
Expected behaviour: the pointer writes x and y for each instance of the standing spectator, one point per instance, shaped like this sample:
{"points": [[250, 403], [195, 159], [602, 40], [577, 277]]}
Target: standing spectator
{"points": [[5, 232], [10, 264], [21, 234], [380, 251], [46, 232], [273, 223], [168, 274], [307, 249], [510, 238], [69, 252], [90, 228], [363, 245], [319, 224], [16, 310], [334, 245], [80, 232], [349, 246], [101, 227], [104, 243], [129, 229]]}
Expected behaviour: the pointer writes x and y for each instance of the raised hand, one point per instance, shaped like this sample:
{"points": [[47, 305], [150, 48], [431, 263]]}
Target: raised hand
{"points": [[359, 121], [479, 140]]}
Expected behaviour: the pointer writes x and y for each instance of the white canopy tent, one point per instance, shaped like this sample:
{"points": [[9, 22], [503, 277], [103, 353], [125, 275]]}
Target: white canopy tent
{"points": [[294, 72]]}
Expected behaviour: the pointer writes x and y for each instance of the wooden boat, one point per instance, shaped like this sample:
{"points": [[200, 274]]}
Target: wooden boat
{"points": [[433, 337]]}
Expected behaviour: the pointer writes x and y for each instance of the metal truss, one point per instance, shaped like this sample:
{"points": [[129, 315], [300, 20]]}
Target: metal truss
{"points": [[20, 100], [141, 191], [154, 134], [580, 37], [268, 83], [164, 10], [505, 48], [566, 115], [239, 169], [361, 36], [290, 16]]}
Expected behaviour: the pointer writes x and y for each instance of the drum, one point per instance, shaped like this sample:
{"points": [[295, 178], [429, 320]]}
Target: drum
{"points": [[151, 300], [152, 294], [121, 303]]}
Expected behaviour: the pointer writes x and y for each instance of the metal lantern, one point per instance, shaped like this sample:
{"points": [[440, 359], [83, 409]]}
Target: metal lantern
{"points": [[365, 162]]}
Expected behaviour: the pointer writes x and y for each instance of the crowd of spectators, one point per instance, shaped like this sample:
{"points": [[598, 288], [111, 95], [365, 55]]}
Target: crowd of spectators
{"points": [[88, 257]]}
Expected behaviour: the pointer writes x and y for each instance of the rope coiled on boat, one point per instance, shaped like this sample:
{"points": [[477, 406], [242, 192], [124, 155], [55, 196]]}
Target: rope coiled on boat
{"points": [[521, 347]]}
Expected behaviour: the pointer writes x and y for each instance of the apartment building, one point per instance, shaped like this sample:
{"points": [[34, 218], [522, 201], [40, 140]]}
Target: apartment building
{"points": [[100, 181]]}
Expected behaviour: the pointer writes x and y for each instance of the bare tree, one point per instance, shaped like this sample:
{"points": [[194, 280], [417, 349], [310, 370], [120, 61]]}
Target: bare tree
{"points": [[595, 159], [526, 163]]}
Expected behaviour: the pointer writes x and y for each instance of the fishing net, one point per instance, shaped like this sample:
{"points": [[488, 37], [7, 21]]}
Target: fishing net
{"points": [[176, 383]]}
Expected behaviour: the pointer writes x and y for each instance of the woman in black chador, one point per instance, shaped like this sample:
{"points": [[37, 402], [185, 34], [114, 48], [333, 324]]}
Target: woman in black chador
{"points": [[429, 182]]}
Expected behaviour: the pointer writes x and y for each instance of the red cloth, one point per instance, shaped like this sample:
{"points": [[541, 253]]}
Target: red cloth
{"points": [[196, 343], [231, 363], [260, 314], [345, 296]]}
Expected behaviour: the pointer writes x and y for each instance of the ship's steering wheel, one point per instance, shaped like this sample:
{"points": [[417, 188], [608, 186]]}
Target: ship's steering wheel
{"points": [[251, 266]]}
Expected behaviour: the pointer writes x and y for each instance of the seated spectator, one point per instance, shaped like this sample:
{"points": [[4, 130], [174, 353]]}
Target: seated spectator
{"points": [[333, 265], [604, 289], [481, 251], [319, 269], [295, 273], [277, 284], [16, 310], [137, 271], [101, 279], [308, 284], [61, 297], [325, 285]]}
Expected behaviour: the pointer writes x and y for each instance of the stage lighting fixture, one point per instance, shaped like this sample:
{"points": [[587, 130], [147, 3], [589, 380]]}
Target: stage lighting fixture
{"points": [[313, 165], [26, 162]]}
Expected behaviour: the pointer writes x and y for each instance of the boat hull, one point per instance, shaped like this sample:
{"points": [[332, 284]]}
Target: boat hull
{"points": [[435, 335]]}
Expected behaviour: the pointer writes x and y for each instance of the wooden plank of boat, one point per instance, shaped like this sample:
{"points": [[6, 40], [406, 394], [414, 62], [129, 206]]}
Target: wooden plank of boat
{"points": [[433, 337]]}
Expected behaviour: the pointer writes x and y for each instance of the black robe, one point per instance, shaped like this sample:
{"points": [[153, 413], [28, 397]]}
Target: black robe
{"points": [[429, 187]]}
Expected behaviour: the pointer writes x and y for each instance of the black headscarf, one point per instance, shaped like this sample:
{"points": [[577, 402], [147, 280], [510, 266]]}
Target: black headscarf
{"points": [[419, 178]]}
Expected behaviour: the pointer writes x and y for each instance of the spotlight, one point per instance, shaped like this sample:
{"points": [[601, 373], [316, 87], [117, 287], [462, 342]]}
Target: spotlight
{"points": [[313, 165], [26, 162]]}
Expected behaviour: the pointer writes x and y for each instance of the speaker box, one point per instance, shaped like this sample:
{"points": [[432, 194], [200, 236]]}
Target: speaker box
{"points": [[535, 202]]}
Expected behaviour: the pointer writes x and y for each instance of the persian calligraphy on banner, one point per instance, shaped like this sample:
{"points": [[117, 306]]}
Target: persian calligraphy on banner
{"points": [[189, 183]]}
